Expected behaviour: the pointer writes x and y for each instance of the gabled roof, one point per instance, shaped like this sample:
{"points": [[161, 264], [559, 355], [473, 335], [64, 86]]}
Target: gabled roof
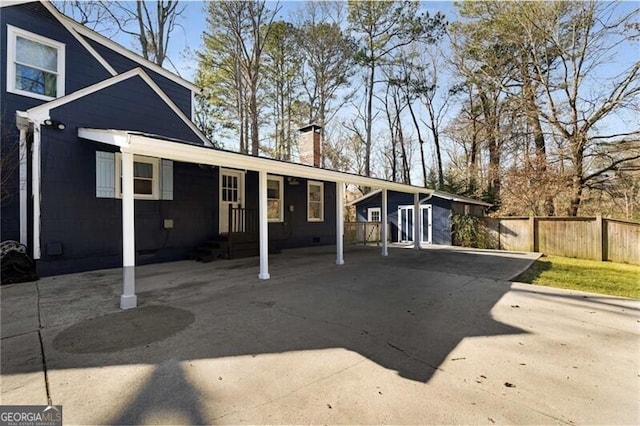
{"points": [[433, 193], [79, 32], [42, 111]]}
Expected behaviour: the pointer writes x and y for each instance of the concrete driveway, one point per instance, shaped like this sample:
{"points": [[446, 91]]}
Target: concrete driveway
{"points": [[438, 336]]}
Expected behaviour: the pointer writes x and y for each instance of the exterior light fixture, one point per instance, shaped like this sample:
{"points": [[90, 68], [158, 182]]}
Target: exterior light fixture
{"points": [[54, 123]]}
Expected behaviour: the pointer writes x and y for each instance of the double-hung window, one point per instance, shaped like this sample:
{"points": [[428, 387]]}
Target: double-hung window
{"points": [[152, 177], [35, 65], [315, 201], [275, 199], [145, 177]]}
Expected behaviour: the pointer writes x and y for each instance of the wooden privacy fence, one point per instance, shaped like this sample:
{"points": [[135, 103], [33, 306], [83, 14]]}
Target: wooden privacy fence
{"points": [[364, 232], [594, 238]]}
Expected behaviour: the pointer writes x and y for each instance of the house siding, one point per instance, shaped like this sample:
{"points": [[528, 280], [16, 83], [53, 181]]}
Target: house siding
{"points": [[179, 94], [96, 240], [69, 189], [81, 70], [440, 214], [128, 105], [295, 230]]}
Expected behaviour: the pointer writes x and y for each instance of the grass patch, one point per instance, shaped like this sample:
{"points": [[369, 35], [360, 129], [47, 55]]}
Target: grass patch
{"points": [[617, 279]]}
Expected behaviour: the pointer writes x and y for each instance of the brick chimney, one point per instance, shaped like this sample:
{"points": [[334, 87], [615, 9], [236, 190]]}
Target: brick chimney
{"points": [[310, 145]]}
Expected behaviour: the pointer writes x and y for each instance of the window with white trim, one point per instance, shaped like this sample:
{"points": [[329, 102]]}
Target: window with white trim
{"points": [[35, 65], [145, 177], [315, 201], [374, 214], [275, 199]]}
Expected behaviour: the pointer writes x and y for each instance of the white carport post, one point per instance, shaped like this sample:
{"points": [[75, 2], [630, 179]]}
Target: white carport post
{"points": [[339, 223], [383, 231], [264, 225], [128, 299], [416, 221]]}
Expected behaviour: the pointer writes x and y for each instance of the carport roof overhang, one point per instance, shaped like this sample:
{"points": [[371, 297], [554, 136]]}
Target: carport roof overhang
{"points": [[156, 146]]}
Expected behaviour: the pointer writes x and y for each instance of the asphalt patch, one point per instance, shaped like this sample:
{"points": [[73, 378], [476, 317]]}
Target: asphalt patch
{"points": [[123, 330]]}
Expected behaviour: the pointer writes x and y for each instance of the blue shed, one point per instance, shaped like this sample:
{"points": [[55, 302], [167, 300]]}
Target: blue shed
{"points": [[435, 214]]}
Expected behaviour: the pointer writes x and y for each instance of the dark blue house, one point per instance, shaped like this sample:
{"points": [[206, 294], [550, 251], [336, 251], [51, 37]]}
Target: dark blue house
{"points": [[434, 216], [103, 167]]}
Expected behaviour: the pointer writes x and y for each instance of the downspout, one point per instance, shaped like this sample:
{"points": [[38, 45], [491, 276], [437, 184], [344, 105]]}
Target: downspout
{"points": [[35, 187], [22, 122]]}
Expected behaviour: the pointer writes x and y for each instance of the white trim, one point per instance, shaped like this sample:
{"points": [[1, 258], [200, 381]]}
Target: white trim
{"points": [[65, 23], [22, 153], [280, 181], [223, 227], [371, 210], [12, 34], [100, 39], [410, 212], [155, 163], [264, 226], [35, 188], [311, 183], [41, 112], [429, 209], [417, 231], [432, 192], [339, 223], [128, 298], [153, 146], [174, 107], [385, 221]]}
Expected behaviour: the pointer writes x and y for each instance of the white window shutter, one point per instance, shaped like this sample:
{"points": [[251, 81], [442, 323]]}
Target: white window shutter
{"points": [[166, 180], [105, 175]]}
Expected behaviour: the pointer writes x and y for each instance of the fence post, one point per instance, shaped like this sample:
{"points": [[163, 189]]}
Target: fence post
{"points": [[600, 235], [532, 232]]}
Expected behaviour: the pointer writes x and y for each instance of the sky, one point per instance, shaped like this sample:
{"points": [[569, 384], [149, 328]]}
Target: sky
{"points": [[188, 39]]}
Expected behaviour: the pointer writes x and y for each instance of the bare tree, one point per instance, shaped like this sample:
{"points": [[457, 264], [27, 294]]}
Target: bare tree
{"points": [[584, 39], [381, 29], [149, 23]]}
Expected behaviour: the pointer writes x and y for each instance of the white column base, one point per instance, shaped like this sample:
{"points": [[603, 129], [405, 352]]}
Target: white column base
{"points": [[128, 301], [264, 276]]}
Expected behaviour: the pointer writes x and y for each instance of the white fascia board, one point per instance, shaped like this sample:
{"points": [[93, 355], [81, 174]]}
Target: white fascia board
{"points": [[109, 137], [67, 23], [99, 38], [41, 112], [364, 197], [460, 199], [167, 100], [160, 148]]}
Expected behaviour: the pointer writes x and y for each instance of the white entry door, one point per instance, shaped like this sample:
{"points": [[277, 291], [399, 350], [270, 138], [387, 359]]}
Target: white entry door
{"points": [[231, 193], [405, 224]]}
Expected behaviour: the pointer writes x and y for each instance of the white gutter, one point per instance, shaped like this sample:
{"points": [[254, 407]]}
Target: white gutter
{"points": [[35, 188], [171, 150]]}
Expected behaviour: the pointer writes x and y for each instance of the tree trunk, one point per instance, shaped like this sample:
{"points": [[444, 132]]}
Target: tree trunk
{"points": [[576, 180], [369, 119]]}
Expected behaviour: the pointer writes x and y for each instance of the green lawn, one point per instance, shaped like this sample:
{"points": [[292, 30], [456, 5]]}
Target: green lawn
{"points": [[616, 279]]}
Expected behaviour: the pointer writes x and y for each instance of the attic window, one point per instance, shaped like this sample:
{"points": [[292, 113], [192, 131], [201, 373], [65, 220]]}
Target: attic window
{"points": [[35, 65]]}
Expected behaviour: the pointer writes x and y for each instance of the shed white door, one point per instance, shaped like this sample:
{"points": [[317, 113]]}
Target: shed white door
{"points": [[405, 224], [231, 193]]}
